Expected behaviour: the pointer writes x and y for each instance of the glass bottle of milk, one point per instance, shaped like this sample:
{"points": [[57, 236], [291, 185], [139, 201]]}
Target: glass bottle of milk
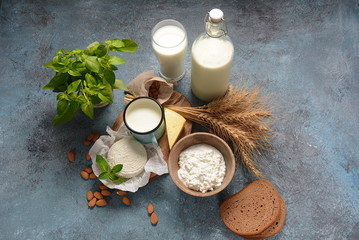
{"points": [[212, 58]]}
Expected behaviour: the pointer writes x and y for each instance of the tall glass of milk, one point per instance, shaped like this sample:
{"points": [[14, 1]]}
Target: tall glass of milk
{"points": [[212, 58], [169, 42]]}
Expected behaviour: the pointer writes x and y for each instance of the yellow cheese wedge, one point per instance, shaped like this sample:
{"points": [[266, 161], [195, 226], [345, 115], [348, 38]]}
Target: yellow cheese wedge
{"points": [[174, 125]]}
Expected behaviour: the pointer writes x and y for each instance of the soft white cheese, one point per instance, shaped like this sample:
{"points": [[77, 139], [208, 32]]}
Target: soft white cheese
{"points": [[202, 167], [130, 153]]}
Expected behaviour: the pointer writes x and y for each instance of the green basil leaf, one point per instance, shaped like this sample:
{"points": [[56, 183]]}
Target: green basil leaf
{"points": [[88, 109], [59, 68], [62, 106], [58, 80], [117, 168], [56, 59], [62, 96], [90, 79], [48, 64], [94, 44], [117, 43], [67, 115], [61, 88], [120, 85], [80, 99], [101, 51], [94, 91], [106, 94], [74, 73], [90, 49], [78, 67], [92, 64], [104, 98], [102, 163], [116, 179], [109, 76], [74, 86], [114, 60], [104, 175], [130, 46], [95, 99]]}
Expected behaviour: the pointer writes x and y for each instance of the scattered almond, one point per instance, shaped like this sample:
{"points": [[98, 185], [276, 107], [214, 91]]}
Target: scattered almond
{"points": [[101, 203], [126, 201], [88, 170], [90, 137], [98, 195], [92, 202], [88, 157], [121, 193], [150, 208], [102, 187], [71, 156], [154, 218], [106, 193], [95, 137], [89, 195], [92, 176], [84, 175], [86, 142]]}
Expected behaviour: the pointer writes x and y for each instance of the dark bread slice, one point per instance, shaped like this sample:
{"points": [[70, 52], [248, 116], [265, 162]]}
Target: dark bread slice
{"points": [[276, 227], [252, 210]]}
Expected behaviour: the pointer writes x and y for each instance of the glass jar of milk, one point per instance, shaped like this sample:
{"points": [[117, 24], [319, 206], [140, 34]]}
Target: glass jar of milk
{"points": [[212, 58]]}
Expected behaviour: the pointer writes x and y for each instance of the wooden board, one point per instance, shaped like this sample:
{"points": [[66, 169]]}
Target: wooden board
{"points": [[176, 99]]}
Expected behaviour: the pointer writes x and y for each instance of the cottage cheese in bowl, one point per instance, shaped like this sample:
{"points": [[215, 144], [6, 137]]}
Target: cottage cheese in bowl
{"points": [[201, 167]]}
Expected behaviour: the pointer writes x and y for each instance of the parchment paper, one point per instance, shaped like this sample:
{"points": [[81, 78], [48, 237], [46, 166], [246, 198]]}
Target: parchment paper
{"points": [[155, 162]]}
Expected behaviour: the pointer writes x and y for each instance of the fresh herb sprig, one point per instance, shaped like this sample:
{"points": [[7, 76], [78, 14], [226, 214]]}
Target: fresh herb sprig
{"points": [[86, 77], [107, 172]]}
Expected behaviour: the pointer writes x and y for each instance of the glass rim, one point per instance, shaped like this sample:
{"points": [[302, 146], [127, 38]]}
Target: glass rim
{"points": [[171, 22], [150, 131]]}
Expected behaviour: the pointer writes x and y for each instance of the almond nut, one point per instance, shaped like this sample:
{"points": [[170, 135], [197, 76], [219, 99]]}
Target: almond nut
{"points": [[154, 218], [95, 137], [88, 157], [150, 208], [102, 187], [88, 170], [106, 193], [92, 203], [92, 176], [71, 156], [101, 203], [84, 175], [89, 195], [98, 195], [126, 201], [90, 137], [121, 193]]}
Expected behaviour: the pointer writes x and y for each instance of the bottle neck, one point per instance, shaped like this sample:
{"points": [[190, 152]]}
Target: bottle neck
{"points": [[216, 30]]}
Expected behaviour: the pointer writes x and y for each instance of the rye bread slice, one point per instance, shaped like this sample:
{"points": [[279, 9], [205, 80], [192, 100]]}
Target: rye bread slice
{"points": [[276, 227], [252, 210]]}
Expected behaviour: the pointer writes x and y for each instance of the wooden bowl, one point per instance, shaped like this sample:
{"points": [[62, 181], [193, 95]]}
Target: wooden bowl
{"points": [[197, 138]]}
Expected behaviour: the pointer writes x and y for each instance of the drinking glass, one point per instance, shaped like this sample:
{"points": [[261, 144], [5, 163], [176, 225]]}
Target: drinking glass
{"points": [[169, 42]]}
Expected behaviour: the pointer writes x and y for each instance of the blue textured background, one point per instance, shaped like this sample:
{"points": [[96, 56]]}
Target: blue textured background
{"points": [[304, 55]]}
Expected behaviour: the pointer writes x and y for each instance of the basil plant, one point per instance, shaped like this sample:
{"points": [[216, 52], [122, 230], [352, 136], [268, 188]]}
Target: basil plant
{"points": [[85, 78]]}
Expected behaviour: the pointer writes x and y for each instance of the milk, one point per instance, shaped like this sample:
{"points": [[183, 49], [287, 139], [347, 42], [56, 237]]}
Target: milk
{"points": [[143, 116], [212, 60], [170, 45]]}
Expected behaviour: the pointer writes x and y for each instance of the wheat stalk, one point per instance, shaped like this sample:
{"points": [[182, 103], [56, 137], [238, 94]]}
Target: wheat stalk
{"points": [[240, 118]]}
